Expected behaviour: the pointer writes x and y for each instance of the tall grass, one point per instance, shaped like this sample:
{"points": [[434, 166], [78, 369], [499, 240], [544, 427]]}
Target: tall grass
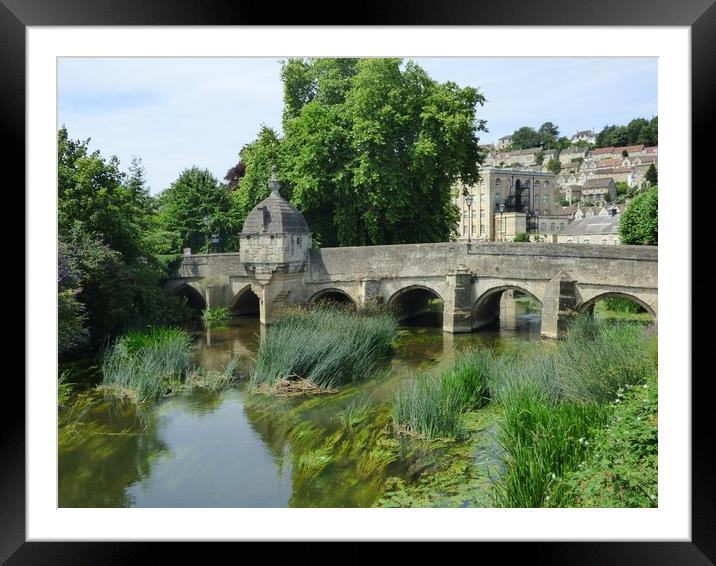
{"points": [[597, 358], [434, 406], [541, 440], [145, 365], [64, 388], [326, 347], [552, 404]]}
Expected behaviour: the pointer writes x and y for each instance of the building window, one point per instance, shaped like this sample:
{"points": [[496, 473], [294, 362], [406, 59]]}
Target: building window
{"points": [[587, 241], [552, 227], [561, 226], [543, 227], [482, 229], [473, 230], [604, 240], [536, 185], [464, 230]]}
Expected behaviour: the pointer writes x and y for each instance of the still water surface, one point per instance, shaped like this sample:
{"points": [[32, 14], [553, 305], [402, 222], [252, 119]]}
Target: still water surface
{"points": [[238, 449]]}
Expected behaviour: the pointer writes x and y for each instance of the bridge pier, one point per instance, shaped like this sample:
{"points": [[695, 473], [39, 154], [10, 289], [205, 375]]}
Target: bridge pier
{"points": [[457, 306], [559, 305]]}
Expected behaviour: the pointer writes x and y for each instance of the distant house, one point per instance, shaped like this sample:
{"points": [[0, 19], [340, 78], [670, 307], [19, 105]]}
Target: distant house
{"points": [[584, 135], [503, 142], [593, 229], [599, 190]]}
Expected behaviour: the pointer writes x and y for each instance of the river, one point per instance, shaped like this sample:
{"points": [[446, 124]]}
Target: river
{"points": [[239, 449]]}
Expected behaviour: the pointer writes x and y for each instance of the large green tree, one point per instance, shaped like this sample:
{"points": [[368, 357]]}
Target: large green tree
{"points": [[194, 208], [371, 149], [257, 158], [108, 278], [639, 223]]}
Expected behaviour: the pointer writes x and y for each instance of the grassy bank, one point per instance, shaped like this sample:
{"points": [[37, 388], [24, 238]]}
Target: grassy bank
{"points": [[146, 365], [556, 406], [324, 348]]}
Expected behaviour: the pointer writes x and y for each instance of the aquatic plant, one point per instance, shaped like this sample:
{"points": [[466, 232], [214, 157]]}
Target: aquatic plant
{"points": [[433, 407], [213, 315], [213, 380], [426, 408], [467, 379], [326, 347], [146, 365]]}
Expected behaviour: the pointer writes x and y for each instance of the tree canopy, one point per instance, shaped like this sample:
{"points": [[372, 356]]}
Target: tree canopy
{"points": [[639, 223], [546, 136], [371, 149], [193, 199], [108, 278], [639, 131]]}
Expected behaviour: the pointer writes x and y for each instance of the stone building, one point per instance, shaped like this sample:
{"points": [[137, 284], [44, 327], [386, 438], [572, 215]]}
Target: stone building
{"points": [[522, 157], [592, 229], [275, 236], [599, 190], [584, 136], [504, 142], [526, 195]]}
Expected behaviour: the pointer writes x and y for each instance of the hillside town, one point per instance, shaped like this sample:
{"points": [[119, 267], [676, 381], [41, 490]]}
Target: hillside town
{"points": [[573, 195]]}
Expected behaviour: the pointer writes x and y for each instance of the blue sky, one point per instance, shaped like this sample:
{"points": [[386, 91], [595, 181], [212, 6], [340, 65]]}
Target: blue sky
{"points": [[177, 112]]}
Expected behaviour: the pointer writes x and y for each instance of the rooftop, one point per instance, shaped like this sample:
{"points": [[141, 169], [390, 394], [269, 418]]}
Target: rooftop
{"points": [[593, 225]]}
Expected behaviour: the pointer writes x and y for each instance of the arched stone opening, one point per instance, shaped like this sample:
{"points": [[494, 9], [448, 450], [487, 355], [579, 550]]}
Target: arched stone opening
{"points": [[417, 306], [618, 303], [193, 297], [507, 308], [334, 297], [245, 303]]}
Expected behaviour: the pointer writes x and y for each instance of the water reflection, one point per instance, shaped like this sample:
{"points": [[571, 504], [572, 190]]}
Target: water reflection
{"points": [[235, 449]]}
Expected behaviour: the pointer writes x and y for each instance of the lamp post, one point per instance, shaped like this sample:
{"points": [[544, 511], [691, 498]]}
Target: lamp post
{"points": [[502, 221], [468, 202], [528, 216]]}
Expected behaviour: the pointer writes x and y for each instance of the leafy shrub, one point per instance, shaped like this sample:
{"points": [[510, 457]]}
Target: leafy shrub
{"points": [[621, 469]]}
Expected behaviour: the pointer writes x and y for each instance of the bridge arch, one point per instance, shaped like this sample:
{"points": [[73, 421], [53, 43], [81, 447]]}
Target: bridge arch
{"points": [[193, 295], [245, 303], [415, 300], [588, 305], [486, 309], [333, 295]]}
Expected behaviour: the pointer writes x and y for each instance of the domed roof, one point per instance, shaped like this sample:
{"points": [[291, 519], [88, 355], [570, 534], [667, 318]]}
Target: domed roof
{"points": [[274, 214]]}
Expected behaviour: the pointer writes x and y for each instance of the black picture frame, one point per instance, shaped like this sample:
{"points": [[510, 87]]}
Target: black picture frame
{"points": [[700, 16]]}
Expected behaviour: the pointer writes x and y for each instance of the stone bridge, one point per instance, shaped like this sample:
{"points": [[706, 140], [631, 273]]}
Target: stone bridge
{"points": [[563, 278], [277, 266]]}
